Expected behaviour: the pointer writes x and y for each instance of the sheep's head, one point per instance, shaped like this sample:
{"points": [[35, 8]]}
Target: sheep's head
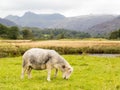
{"points": [[67, 70]]}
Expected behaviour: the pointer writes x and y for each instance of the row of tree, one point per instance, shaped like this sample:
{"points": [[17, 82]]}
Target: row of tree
{"points": [[35, 33], [53, 33]]}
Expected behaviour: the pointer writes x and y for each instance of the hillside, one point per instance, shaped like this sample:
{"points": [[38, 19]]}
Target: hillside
{"points": [[105, 27], [7, 22], [82, 23]]}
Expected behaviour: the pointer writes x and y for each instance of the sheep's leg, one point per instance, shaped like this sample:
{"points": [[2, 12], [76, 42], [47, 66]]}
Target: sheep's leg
{"points": [[56, 72], [23, 72], [49, 71], [29, 72]]}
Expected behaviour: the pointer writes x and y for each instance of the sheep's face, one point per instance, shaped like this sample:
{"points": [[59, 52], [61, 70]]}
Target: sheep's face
{"points": [[67, 71]]}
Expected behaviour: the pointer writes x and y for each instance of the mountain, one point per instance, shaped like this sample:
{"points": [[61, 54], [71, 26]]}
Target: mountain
{"points": [[7, 22], [82, 23], [79, 23], [94, 24], [36, 20], [105, 27]]}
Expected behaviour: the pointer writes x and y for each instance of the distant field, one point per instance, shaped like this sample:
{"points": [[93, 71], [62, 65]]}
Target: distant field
{"points": [[90, 73], [62, 43], [18, 47]]}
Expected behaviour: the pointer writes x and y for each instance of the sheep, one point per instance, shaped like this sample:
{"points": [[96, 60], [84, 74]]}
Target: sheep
{"points": [[41, 59]]}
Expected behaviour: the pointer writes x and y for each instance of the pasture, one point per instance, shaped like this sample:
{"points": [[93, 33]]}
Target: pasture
{"points": [[90, 73]]}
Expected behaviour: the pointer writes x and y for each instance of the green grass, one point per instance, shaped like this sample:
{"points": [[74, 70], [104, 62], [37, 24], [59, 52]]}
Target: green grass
{"points": [[90, 73]]}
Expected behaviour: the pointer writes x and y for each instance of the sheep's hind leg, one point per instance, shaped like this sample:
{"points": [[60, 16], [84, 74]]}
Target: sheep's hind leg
{"points": [[56, 72], [29, 72], [23, 72]]}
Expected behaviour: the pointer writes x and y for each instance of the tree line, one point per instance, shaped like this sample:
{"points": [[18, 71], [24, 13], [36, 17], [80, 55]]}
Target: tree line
{"points": [[35, 33], [15, 32], [54, 34]]}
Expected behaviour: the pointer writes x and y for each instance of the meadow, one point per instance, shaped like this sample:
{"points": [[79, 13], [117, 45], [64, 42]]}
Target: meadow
{"points": [[90, 73], [18, 47]]}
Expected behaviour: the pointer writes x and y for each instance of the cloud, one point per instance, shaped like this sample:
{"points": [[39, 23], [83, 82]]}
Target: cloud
{"points": [[66, 7], [35, 4]]}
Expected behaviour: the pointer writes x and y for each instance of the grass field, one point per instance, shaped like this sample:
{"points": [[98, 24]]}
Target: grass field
{"points": [[18, 47], [90, 73]]}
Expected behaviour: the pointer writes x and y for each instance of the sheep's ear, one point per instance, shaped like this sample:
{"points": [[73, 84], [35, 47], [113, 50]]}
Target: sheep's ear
{"points": [[63, 66]]}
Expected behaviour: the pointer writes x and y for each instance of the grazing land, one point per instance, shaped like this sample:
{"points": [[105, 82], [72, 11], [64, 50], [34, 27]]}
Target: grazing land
{"points": [[18, 47], [90, 73]]}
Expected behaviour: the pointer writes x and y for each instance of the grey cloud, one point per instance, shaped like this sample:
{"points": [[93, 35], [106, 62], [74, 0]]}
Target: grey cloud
{"points": [[36, 4], [68, 7]]}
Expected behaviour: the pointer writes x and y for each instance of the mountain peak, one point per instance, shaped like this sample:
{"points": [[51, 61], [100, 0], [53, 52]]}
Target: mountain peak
{"points": [[36, 20], [43, 16], [29, 13]]}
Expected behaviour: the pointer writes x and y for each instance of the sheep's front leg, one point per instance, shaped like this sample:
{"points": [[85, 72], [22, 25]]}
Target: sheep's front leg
{"points": [[49, 72]]}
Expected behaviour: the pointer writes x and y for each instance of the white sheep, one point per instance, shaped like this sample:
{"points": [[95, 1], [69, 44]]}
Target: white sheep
{"points": [[40, 59]]}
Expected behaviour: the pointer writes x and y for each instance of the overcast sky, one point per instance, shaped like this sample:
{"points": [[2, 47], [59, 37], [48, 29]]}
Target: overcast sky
{"points": [[66, 7]]}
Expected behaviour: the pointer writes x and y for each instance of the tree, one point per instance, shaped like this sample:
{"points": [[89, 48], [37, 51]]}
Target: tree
{"points": [[60, 36], [51, 36], [27, 34], [115, 34], [13, 32], [3, 31]]}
